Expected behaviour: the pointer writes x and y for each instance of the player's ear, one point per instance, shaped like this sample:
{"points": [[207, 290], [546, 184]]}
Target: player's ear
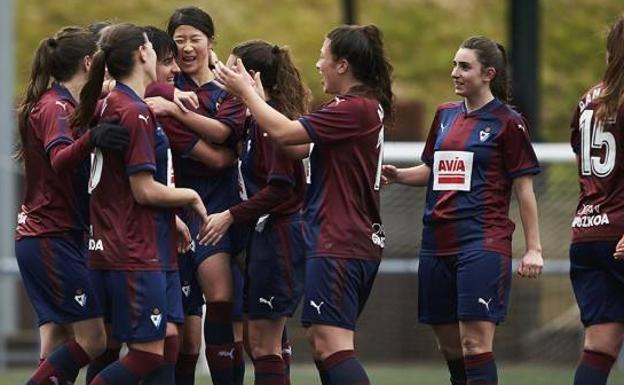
{"points": [[342, 66]]}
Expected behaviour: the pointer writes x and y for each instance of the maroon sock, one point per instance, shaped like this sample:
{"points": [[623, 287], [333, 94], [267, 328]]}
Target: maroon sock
{"points": [[343, 368], [593, 368], [185, 369], [129, 370], [62, 365], [269, 370]]}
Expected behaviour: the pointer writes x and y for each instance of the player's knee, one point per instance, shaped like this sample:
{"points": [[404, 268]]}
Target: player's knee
{"points": [[93, 344], [473, 345], [450, 352]]}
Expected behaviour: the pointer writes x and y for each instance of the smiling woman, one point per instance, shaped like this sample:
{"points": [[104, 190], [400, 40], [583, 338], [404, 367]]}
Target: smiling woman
{"points": [[478, 151]]}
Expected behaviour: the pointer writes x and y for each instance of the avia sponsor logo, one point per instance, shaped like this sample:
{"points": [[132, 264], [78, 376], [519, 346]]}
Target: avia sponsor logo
{"points": [[590, 216], [96, 245], [452, 170]]}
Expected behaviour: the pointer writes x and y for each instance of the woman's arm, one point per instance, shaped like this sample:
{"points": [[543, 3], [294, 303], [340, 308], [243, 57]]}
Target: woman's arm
{"points": [[283, 130], [412, 176], [147, 191], [213, 156], [532, 262], [297, 151]]}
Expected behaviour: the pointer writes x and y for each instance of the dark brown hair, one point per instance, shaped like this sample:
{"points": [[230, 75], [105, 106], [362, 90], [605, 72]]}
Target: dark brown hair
{"points": [[611, 98], [362, 47], [280, 77], [117, 55], [57, 58], [492, 54]]}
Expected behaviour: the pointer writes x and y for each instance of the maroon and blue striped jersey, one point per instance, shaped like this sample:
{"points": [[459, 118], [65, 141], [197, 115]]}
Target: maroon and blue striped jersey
{"points": [[263, 162], [474, 157], [54, 203], [218, 188], [599, 146], [341, 208], [126, 235]]}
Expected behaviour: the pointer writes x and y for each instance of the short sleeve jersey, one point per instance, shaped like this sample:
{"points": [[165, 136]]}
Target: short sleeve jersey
{"points": [[53, 203], [599, 149], [341, 208], [218, 189], [474, 157], [126, 235], [263, 162]]}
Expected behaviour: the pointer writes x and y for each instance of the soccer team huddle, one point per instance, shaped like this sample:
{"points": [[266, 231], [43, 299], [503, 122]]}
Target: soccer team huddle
{"points": [[162, 183]]}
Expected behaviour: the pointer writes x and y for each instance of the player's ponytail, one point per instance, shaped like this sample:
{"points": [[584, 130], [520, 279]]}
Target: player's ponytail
{"points": [[58, 59], [281, 79], [116, 54], [491, 54], [612, 96], [362, 47], [90, 93]]}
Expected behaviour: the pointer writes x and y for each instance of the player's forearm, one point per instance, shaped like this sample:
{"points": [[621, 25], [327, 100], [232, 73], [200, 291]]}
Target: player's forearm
{"points": [[297, 151], [208, 129], [215, 157], [527, 204], [283, 130], [149, 192], [265, 200], [414, 176], [66, 156]]}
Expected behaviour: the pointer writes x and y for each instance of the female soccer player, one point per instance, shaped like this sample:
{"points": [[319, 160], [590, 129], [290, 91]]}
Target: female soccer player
{"points": [[184, 144], [598, 225], [223, 118], [478, 151], [275, 186], [133, 241], [343, 232], [51, 243]]}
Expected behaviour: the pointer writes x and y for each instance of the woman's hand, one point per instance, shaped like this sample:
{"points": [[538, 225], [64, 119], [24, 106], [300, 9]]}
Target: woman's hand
{"points": [[619, 249], [184, 236], [161, 106], [389, 174], [185, 100], [236, 80], [531, 264], [216, 226]]}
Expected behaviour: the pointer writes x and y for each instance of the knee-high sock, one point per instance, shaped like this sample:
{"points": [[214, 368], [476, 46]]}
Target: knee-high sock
{"points": [[99, 363], [457, 371], [185, 369], [343, 368], [129, 370], [61, 366], [219, 338], [239, 363], [165, 375], [481, 369], [593, 368], [269, 370]]}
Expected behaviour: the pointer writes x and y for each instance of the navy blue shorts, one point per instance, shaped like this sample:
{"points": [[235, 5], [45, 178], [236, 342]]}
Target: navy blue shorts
{"points": [[336, 290], [233, 241], [55, 274], [598, 282], [175, 311], [470, 286], [134, 303], [276, 269], [191, 292]]}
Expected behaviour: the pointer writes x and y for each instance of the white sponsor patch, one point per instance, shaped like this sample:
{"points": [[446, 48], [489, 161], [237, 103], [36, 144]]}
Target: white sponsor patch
{"points": [[452, 170]]}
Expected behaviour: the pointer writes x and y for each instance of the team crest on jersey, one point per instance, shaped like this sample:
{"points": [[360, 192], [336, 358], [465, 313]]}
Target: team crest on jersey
{"points": [[156, 317], [484, 134], [186, 288], [379, 236], [452, 170], [80, 297]]}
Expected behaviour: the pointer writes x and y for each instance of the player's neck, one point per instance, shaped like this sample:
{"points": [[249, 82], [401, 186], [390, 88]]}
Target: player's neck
{"points": [[474, 102], [75, 84], [136, 83], [202, 77]]}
